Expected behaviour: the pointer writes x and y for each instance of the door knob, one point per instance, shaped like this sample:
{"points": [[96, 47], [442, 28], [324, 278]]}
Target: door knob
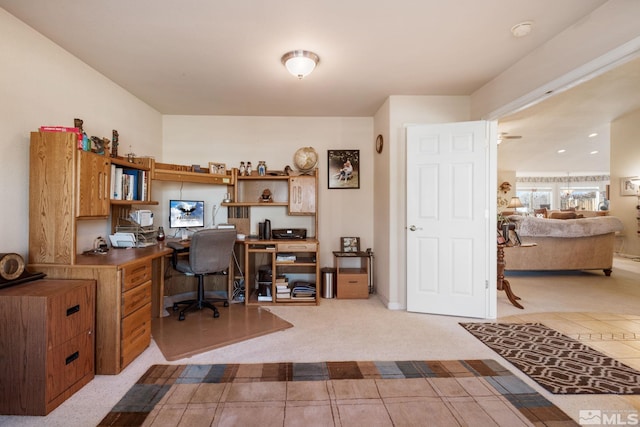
{"points": [[414, 228]]}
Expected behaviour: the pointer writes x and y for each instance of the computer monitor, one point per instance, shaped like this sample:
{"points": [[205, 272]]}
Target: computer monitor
{"points": [[186, 213]]}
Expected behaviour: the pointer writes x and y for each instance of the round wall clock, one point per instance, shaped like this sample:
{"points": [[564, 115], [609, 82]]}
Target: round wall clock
{"points": [[379, 143]]}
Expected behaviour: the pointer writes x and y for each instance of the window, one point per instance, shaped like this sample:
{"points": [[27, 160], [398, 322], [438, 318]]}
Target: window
{"points": [[586, 198], [535, 198]]}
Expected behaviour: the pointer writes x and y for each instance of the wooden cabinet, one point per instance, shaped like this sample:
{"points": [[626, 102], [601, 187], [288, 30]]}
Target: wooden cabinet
{"points": [[93, 185], [67, 185], [302, 195], [352, 274], [123, 303], [46, 344]]}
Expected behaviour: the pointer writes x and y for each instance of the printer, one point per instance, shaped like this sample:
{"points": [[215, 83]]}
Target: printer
{"points": [[289, 233]]}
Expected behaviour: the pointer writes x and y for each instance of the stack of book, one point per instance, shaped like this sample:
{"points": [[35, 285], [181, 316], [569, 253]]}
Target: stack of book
{"points": [[285, 257], [303, 291], [282, 288]]}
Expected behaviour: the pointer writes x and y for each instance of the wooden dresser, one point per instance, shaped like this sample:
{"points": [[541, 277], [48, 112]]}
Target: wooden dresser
{"points": [[46, 343]]}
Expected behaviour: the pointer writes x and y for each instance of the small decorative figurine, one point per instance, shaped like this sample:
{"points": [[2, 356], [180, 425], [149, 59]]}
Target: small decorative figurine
{"points": [[241, 169], [77, 123], [288, 170], [98, 144], [266, 196], [131, 156], [248, 172], [262, 168], [114, 139]]}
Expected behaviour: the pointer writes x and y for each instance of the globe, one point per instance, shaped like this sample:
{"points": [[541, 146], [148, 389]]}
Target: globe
{"points": [[305, 159]]}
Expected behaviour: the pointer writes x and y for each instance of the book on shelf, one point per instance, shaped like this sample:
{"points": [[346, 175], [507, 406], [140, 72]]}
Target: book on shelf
{"points": [[303, 289], [285, 295], [265, 298], [285, 257], [225, 226]]}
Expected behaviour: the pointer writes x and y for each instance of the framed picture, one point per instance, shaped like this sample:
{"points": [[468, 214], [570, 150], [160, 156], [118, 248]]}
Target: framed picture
{"points": [[217, 168], [628, 187], [343, 169], [350, 244]]}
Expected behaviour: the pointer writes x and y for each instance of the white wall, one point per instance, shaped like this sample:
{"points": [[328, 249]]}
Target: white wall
{"points": [[405, 110], [225, 139], [625, 162], [42, 84]]}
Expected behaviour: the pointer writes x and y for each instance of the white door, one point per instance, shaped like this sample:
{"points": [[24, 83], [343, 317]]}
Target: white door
{"points": [[447, 219]]}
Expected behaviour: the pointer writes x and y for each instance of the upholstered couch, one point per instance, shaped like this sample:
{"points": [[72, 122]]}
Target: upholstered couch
{"points": [[563, 244]]}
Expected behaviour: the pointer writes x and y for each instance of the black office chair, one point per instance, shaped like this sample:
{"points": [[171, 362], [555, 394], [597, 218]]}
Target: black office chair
{"points": [[210, 252]]}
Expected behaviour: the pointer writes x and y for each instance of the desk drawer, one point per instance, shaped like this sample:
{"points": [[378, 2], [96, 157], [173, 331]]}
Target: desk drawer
{"points": [[352, 286], [135, 274], [297, 247], [135, 298], [136, 334]]}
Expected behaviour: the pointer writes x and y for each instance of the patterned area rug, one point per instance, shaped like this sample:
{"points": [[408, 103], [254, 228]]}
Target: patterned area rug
{"points": [[435, 393], [558, 363]]}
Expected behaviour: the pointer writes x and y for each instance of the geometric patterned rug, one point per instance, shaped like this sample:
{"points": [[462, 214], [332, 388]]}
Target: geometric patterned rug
{"points": [[558, 363], [437, 393]]}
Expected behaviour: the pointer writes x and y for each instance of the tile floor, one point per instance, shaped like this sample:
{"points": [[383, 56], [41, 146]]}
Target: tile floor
{"points": [[437, 393], [616, 335]]}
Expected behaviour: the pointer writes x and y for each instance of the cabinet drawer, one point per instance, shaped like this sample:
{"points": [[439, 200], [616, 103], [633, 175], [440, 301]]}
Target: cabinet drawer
{"points": [[71, 313], [68, 363], [135, 298], [135, 274], [136, 334], [352, 286], [297, 247]]}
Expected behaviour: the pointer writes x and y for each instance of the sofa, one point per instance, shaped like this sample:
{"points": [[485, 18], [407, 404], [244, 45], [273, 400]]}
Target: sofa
{"points": [[563, 244]]}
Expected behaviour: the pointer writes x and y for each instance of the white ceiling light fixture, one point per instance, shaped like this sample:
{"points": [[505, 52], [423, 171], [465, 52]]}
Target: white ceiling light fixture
{"points": [[300, 63], [522, 29]]}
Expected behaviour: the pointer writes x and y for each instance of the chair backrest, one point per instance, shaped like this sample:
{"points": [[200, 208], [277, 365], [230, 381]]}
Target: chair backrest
{"points": [[210, 250]]}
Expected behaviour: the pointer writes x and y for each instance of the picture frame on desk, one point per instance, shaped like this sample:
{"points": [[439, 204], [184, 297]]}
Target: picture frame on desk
{"points": [[350, 244], [217, 168]]}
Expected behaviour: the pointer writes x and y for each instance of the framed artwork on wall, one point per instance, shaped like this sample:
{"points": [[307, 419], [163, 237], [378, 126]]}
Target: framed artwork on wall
{"points": [[350, 244], [628, 187], [343, 169]]}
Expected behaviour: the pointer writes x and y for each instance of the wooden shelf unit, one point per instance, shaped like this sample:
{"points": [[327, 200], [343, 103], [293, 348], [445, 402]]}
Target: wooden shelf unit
{"points": [[299, 195]]}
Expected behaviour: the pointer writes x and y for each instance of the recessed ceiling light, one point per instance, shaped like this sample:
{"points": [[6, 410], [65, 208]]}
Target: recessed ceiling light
{"points": [[593, 135], [522, 29], [561, 151], [594, 152]]}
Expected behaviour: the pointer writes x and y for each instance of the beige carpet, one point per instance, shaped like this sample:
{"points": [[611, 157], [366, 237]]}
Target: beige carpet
{"points": [[200, 332]]}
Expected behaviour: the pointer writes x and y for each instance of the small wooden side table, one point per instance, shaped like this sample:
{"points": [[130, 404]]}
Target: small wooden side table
{"points": [[352, 282], [503, 284]]}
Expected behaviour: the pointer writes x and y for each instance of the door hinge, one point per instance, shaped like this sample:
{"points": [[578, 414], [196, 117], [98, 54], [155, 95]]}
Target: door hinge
{"points": [[486, 284]]}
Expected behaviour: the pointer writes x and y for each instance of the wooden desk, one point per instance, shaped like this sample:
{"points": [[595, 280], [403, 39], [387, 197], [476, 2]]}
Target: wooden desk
{"points": [[502, 283], [130, 289]]}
